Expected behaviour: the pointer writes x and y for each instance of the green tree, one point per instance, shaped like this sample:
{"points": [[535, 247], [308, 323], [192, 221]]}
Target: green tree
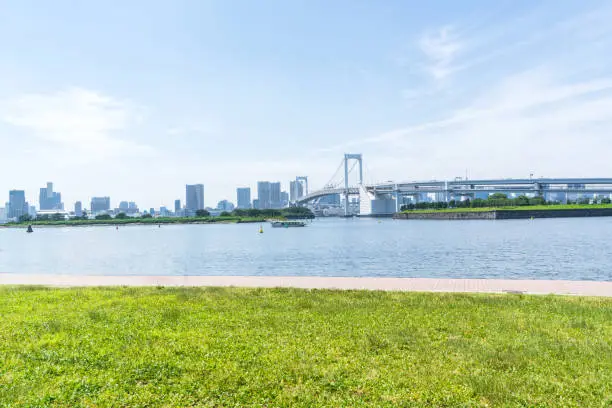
{"points": [[202, 213], [226, 214], [121, 216], [498, 196], [85, 216], [103, 217], [147, 215], [25, 218], [606, 201]]}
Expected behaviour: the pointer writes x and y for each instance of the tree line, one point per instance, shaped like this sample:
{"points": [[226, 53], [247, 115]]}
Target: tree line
{"points": [[495, 200]]}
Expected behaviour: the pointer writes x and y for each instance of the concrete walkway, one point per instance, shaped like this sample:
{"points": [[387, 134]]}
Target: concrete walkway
{"points": [[582, 288]]}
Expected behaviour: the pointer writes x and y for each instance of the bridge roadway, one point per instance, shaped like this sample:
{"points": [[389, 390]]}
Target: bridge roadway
{"points": [[469, 187]]}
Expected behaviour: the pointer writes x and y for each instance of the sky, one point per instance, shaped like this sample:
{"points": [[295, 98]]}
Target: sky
{"points": [[134, 99]]}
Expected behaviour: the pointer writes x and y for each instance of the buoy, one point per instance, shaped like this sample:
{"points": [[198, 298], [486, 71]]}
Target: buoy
{"points": [[29, 229], [261, 229]]}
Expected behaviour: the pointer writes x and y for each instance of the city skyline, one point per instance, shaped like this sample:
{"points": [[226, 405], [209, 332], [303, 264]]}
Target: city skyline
{"points": [[158, 101]]}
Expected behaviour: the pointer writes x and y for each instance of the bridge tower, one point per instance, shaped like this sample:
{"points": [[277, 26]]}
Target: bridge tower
{"points": [[359, 159], [304, 181]]}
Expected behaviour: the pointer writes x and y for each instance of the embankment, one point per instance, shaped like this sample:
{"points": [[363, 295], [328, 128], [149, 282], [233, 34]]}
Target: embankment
{"points": [[504, 214]]}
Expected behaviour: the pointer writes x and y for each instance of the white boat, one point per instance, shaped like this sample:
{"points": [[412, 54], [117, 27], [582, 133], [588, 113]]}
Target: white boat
{"points": [[287, 224]]}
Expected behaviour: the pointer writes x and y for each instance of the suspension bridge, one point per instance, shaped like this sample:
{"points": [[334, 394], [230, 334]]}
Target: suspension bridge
{"points": [[388, 197]]}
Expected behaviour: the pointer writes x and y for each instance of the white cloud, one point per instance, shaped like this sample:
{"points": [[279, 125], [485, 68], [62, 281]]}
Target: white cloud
{"points": [[76, 119], [441, 48]]}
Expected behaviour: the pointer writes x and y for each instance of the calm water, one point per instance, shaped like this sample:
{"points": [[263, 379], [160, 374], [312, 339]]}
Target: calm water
{"points": [[541, 249]]}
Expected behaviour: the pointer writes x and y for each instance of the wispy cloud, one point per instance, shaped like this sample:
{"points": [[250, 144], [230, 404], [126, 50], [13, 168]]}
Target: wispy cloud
{"points": [[440, 47], [77, 119]]}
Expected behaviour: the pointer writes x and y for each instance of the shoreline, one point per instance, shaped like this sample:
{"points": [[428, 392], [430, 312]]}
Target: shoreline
{"points": [[504, 214], [531, 287]]}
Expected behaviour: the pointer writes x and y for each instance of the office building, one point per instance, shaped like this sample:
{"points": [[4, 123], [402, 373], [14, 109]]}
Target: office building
{"points": [[284, 199], [256, 204], [296, 190], [177, 206], [17, 205], [152, 211], [163, 212], [124, 206], [275, 195], [2, 215], [194, 198], [50, 200], [78, 209], [263, 194], [244, 197], [225, 205], [100, 204]]}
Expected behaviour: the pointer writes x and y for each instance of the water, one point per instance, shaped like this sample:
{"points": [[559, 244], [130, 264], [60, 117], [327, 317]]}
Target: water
{"points": [[573, 248]]}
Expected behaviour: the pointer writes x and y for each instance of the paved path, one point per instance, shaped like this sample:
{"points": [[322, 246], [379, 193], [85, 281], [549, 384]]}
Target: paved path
{"points": [[583, 288]]}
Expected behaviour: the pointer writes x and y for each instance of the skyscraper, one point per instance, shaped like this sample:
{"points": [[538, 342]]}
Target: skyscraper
{"points": [[296, 190], [124, 206], [225, 205], [78, 209], [100, 204], [194, 198], [17, 205], [50, 200], [284, 199], [263, 195], [275, 195], [244, 197], [177, 206]]}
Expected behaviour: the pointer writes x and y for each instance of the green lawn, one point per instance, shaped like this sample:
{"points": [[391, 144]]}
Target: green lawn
{"points": [[520, 208], [149, 347]]}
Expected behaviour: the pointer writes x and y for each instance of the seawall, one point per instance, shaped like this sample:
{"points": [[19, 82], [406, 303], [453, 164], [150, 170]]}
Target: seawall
{"points": [[505, 214]]}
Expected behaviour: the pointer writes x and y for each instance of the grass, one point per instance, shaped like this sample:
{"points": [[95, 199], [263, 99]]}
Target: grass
{"points": [[212, 347], [518, 208], [159, 220]]}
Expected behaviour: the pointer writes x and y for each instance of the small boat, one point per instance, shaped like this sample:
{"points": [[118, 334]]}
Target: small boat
{"points": [[30, 230], [287, 224]]}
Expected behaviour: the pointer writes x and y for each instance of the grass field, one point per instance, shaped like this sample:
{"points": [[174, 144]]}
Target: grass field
{"points": [[178, 347], [139, 221], [520, 208]]}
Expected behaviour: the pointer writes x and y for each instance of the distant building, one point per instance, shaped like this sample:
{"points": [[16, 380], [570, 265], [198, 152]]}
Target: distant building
{"points": [[100, 204], [32, 211], [332, 199], [78, 209], [124, 206], [17, 205], [244, 197], [284, 199], [275, 195], [225, 205], [2, 215], [177, 206], [50, 200], [296, 190], [132, 208], [263, 195], [256, 204], [194, 198], [163, 212], [152, 211]]}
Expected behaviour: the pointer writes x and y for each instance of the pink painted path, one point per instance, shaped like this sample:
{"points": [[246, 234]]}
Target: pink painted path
{"points": [[582, 288]]}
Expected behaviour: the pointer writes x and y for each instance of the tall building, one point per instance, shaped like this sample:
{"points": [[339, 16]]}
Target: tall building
{"points": [[17, 205], [256, 204], [275, 195], [244, 197], [78, 209], [132, 208], [284, 199], [50, 200], [194, 198], [2, 215], [124, 206], [225, 205], [263, 194], [100, 204], [296, 190], [177, 206]]}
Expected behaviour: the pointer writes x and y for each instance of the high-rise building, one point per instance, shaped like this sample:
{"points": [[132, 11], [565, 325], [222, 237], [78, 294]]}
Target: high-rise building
{"points": [[243, 197], [50, 200], [194, 198], [100, 204], [263, 194], [152, 211], [132, 208], [296, 190], [17, 205], [78, 209], [256, 204], [163, 212], [177, 206], [124, 206], [225, 205], [284, 199], [275, 195], [2, 214]]}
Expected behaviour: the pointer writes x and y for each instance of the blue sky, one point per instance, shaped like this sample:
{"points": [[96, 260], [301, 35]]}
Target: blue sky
{"points": [[134, 99]]}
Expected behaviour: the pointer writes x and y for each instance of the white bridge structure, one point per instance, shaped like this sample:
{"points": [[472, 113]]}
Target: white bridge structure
{"points": [[382, 199]]}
